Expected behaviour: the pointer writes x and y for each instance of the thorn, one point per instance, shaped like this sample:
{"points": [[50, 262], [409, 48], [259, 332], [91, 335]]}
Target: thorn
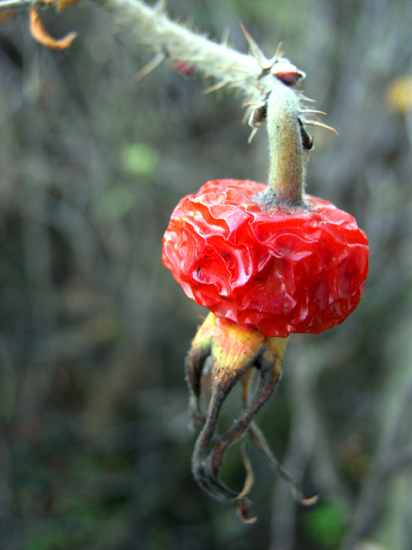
{"points": [[246, 116], [314, 111], [160, 6], [279, 53], [155, 62], [225, 37], [215, 87], [254, 48], [249, 103], [302, 97], [252, 134], [261, 90], [320, 124]]}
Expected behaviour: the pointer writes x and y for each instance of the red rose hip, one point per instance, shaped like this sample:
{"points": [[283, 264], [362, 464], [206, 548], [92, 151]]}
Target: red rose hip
{"points": [[266, 261], [279, 269]]}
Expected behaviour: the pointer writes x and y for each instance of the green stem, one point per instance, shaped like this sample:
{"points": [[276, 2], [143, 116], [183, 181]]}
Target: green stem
{"points": [[287, 157]]}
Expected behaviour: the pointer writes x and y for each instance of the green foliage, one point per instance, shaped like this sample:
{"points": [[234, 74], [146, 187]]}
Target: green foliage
{"points": [[325, 524], [139, 159]]}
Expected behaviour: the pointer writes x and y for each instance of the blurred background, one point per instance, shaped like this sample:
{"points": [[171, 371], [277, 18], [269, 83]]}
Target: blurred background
{"points": [[94, 441]]}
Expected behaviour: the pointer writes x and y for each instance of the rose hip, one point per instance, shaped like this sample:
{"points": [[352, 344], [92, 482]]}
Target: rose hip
{"points": [[279, 269], [267, 261]]}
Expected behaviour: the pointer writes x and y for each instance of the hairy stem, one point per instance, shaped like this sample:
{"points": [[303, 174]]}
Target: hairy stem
{"points": [[169, 39], [153, 27], [286, 176]]}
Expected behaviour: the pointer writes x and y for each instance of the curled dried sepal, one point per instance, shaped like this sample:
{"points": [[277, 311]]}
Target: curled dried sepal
{"points": [[232, 349], [201, 349], [237, 352], [40, 34], [259, 442], [63, 4]]}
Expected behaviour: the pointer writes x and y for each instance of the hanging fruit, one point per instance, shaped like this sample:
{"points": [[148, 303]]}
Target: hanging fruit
{"points": [[281, 269], [267, 261]]}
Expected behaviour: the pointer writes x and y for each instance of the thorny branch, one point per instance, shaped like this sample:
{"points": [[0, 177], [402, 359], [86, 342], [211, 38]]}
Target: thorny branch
{"points": [[152, 26], [254, 75]]}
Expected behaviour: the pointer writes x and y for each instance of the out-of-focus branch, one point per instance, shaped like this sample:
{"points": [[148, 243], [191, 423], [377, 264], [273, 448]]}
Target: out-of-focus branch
{"points": [[152, 26], [378, 493], [254, 75], [9, 5]]}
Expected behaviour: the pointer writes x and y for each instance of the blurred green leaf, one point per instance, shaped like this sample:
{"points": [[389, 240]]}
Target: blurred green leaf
{"points": [[115, 203], [325, 524], [139, 158]]}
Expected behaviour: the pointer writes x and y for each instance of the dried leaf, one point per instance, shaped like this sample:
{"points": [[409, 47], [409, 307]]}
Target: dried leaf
{"points": [[399, 95], [63, 4], [40, 34], [7, 17], [243, 511], [249, 475]]}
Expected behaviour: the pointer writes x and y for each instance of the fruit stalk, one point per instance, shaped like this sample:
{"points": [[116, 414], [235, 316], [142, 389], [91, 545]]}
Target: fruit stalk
{"points": [[287, 156]]}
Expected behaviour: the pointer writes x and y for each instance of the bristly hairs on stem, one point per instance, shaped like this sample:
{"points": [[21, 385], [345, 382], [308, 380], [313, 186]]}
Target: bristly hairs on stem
{"points": [[253, 74], [151, 26]]}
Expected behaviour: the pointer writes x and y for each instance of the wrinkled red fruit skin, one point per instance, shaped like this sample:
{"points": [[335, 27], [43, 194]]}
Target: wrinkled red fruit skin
{"points": [[280, 270]]}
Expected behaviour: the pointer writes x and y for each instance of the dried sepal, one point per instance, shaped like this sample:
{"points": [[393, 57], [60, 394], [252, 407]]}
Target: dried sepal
{"points": [[63, 4], [269, 374], [40, 34], [194, 366], [234, 349], [236, 353], [243, 512], [258, 440]]}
